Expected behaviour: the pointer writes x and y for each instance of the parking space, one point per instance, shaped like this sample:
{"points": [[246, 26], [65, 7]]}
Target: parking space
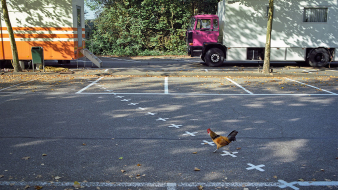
{"points": [[42, 83], [129, 85], [214, 86], [198, 85], [104, 121]]}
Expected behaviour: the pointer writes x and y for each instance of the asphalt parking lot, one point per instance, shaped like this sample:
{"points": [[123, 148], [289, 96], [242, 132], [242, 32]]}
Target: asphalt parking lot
{"points": [[108, 129]]}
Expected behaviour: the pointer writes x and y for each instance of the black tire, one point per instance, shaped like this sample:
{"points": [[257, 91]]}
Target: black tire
{"points": [[319, 57], [214, 57]]}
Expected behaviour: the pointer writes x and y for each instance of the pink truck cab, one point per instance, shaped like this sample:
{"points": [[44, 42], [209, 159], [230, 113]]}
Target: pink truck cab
{"points": [[204, 30]]}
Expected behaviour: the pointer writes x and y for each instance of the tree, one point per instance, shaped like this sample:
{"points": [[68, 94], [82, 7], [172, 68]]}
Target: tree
{"points": [[15, 62], [266, 65], [144, 27]]}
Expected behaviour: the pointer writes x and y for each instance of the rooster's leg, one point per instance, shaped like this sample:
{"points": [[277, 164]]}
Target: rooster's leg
{"points": [[215, 150]]}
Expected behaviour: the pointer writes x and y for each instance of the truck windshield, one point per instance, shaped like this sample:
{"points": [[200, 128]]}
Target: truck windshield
{"points": [[203, 24], [192, 23]]}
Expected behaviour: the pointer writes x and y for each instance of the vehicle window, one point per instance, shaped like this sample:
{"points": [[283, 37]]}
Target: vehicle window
{"points": [[315, 15], [203, 24], [215, 25]]}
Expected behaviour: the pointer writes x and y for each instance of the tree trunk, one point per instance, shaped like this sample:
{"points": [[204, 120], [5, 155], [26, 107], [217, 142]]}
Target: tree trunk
{"points": [[266, 66], [15, 62]]}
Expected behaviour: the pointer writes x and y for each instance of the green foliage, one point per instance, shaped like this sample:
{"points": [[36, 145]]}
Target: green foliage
{"points": [[144, 27]]}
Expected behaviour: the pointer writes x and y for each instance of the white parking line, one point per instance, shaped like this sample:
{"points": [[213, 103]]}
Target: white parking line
{"points": [[311, 86], [195, 94], [91, 84], [17, 85], [124, 59], [166, 89], [173, 186], [239, 86]]}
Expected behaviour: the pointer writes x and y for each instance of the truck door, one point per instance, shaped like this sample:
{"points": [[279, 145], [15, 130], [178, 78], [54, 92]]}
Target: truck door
{"points": [[206, 31]]}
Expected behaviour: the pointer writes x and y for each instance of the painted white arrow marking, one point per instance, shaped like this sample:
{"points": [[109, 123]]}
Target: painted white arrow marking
{"points": [[209, 143], [125, 100], [191, 134], [149, 113], [176, 126], [132, 104], [141, 108], [119, 96], [230, 154], [162, 119], [258, 167]]}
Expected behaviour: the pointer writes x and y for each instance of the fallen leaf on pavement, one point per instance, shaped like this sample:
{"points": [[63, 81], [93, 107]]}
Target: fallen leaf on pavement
{"points": [[138, 164], [194, 152], [123, 171], [27, 186], [77, 184], [38, 187], [196, 169], [200, 187], [26, 158], [44, 154], [239, 148], [301, 179], [1, 176], [121, 158], [275, 177], [57, 177]]}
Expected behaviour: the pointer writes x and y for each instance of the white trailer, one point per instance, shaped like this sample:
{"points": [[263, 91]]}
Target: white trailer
{"points": [[302, 30], [56, 25]]}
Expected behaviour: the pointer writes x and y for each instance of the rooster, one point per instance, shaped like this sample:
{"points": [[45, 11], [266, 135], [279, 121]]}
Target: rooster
{"points": [[221, 141]]}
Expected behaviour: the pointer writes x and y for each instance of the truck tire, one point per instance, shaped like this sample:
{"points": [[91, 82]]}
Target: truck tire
{"points": [[214, 57], [319, 57]]}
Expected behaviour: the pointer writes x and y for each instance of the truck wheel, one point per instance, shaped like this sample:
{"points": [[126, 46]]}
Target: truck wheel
{"points": [[319, 57], [214, 57]]}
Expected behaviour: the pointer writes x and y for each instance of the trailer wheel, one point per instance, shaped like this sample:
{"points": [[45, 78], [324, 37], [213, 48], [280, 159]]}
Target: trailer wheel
{"points": [[214, 57], [319, 57]]}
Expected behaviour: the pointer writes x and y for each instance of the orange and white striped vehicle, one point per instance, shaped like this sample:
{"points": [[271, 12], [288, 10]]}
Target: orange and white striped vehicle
{"points": [[56, 25]]}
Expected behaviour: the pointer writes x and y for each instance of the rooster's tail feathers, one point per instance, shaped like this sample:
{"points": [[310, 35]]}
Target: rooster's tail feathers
{"points": [[232, 135]]}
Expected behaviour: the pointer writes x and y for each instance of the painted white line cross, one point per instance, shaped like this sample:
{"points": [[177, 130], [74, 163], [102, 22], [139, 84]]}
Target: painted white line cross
{"points": [[162, 119], [230, 154], [132, 104], [258, 167], [150, 113], [209, 143], [141, 108], [125, 100], [286, 184], [176, 126], [191, 134], [119, 96]]}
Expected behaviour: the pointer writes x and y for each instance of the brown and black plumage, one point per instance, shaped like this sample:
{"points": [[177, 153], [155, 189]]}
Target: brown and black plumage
{"points": [[221, 141]]}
